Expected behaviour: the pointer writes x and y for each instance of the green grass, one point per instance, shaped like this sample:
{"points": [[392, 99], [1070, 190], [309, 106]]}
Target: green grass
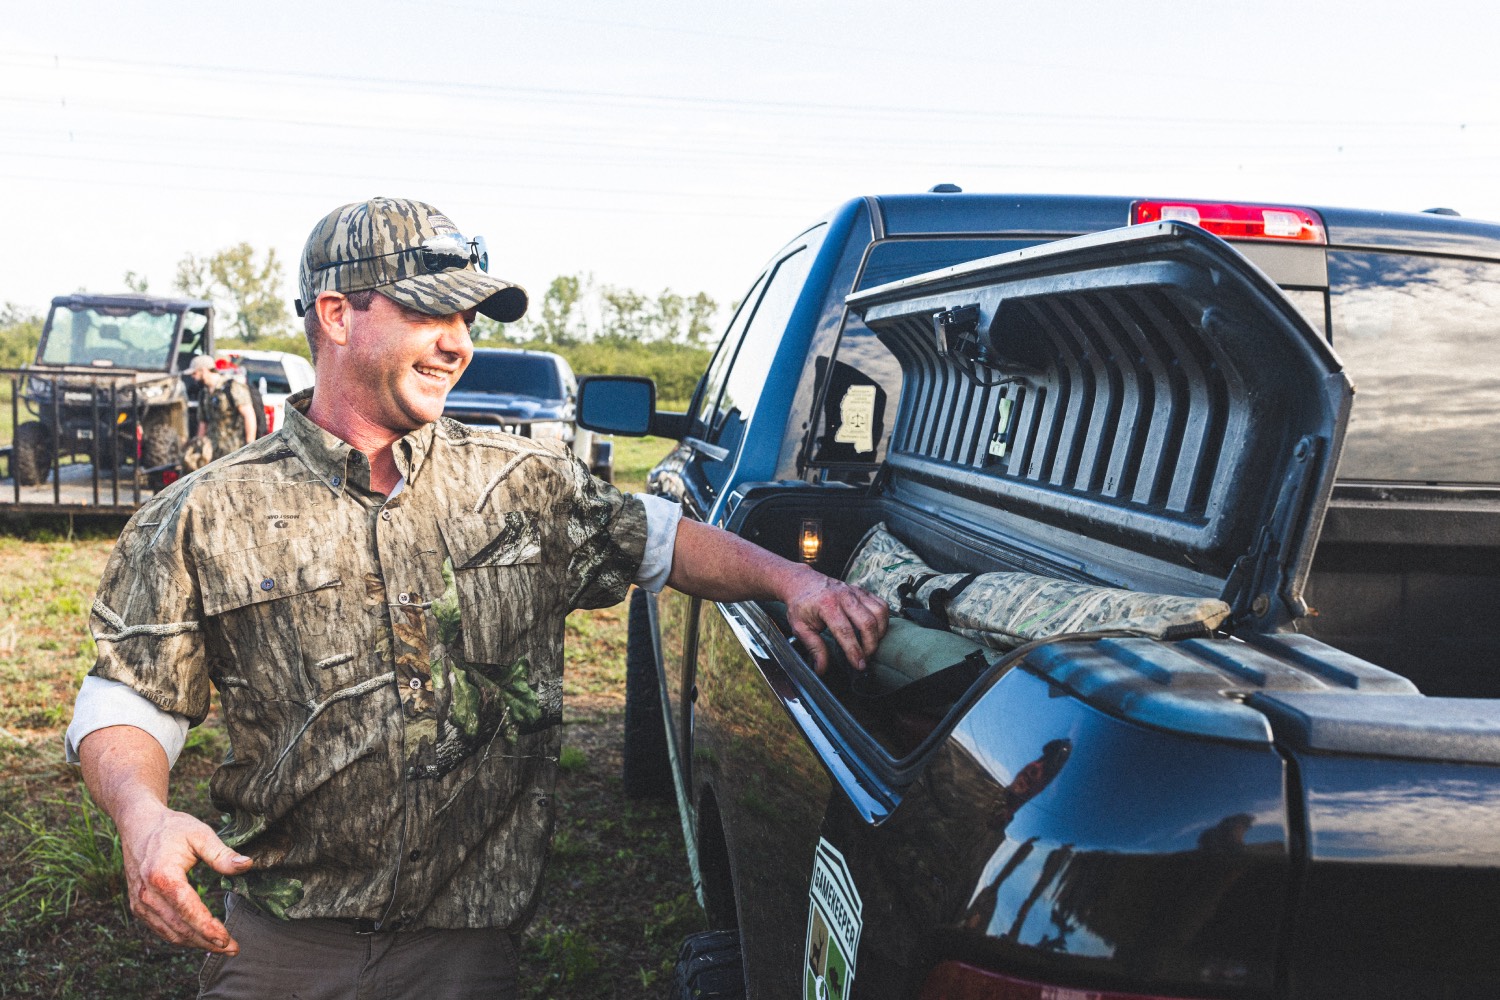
{"points": [[46, 586], [634, 457], [79, 859]]}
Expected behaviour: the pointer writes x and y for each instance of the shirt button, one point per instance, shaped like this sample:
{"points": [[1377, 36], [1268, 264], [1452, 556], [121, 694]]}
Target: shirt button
{"points": [[414, 855], [416, 683], [404, 598], [267, 583], [335, 481], [385, 515]]}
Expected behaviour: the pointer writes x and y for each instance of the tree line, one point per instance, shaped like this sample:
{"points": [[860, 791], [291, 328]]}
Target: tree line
{"points": [[599, 328], [245, 288]]}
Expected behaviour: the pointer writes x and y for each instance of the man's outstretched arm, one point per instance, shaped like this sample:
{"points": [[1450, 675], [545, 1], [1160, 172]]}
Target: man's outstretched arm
{"points": [[711, 563], [126, 770]]}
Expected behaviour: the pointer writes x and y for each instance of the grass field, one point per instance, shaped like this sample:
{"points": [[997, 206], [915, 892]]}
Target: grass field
{"points": [[617, 896]]}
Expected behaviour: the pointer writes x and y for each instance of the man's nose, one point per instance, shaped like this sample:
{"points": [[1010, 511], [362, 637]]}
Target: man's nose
{"points": [[455, 338]]}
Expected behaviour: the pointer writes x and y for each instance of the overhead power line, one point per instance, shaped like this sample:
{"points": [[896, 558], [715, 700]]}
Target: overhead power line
{"points": [[262, 76]]}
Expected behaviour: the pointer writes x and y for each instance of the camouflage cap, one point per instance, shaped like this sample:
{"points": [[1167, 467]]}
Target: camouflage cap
{"points": [[408, 250]]}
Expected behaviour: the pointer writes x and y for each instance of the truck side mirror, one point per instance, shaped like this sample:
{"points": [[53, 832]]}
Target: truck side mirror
{"points": [[616, 404]]}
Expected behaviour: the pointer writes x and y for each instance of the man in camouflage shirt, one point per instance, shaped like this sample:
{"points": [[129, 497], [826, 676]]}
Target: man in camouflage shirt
{"points": [[226, 413], [378, 595]]}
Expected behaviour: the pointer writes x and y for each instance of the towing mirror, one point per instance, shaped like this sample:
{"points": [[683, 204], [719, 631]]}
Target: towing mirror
{"points": [[616, 404], [625, 404]]}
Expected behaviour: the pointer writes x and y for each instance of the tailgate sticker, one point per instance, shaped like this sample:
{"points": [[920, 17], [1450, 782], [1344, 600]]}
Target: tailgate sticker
{"points": [[834, 919], [857, 418]]}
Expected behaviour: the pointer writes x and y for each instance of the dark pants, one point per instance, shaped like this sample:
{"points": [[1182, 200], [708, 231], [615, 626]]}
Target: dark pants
{"points": [[327, 960]]}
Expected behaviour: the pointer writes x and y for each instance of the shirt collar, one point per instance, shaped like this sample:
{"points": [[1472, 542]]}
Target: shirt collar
{"points": [[335, 462]]}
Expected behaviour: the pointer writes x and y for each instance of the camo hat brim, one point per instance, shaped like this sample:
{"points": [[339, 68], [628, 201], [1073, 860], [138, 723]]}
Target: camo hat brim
{"points": [[379, 244]]}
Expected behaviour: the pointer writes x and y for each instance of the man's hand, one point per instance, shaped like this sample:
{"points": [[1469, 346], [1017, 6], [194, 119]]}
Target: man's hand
{"points": [[126, 772], [160, 846], [856, 617], [711, 563]]}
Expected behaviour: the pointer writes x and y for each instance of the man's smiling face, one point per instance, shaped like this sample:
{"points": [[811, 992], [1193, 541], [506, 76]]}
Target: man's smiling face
{"points": [[403, 362]]}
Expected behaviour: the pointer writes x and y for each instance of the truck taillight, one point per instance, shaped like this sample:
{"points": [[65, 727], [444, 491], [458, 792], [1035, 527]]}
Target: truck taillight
{"points": [[961, 981], [1237, 222], [270, 418]]}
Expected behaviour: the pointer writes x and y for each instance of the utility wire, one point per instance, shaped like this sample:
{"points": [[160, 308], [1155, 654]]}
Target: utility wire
{"points": [[262, 76]]}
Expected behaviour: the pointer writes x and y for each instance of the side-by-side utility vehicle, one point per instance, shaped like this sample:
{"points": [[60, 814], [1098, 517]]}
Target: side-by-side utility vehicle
{"points": [[106, 390]]}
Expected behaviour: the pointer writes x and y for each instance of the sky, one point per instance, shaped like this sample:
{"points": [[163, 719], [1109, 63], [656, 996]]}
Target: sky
{"points": [[678, 145]]}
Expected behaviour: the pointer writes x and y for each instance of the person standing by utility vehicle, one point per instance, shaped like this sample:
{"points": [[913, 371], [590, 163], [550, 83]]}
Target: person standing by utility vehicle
{"points": [[226, 413]]}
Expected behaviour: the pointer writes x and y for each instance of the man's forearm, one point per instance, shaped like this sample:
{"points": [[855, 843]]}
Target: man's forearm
{"points": [[711, 563], [126, 770], [248, 413]]}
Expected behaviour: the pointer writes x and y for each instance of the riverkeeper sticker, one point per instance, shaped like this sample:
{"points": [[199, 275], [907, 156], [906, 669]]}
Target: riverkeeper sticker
{"points": [[857, 418], [834, 919]]}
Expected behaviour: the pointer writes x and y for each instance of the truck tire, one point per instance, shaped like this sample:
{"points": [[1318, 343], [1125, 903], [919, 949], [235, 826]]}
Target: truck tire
{"points": [[709, 967], [161, 444], [647, 767], [31, 453]]}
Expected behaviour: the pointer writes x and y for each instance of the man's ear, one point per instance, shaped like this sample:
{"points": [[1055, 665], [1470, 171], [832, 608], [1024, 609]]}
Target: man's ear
{"points": [[334, 313]]}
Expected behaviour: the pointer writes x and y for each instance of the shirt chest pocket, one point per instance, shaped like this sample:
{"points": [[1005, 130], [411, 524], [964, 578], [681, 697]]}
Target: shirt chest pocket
{"points": [[498, 579], [277, 615]]}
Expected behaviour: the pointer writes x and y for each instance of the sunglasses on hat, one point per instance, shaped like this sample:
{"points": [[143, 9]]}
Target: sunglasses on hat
{"points": [[439, 254]]}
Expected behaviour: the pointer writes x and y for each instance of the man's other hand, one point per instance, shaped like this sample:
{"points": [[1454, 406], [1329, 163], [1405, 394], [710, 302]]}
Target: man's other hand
{"points": [[160, 846], [856, 618]]}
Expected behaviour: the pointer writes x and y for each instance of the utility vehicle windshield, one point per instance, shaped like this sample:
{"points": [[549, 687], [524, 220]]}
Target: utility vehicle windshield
{"points": [[108, 336]]}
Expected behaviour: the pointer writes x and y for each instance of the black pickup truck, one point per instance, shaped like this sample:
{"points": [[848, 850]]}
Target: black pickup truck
{"points": [[1013, 418]]}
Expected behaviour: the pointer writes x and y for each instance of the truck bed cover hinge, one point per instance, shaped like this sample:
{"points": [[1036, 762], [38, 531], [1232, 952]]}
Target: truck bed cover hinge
{"points": [[1258, 587]]}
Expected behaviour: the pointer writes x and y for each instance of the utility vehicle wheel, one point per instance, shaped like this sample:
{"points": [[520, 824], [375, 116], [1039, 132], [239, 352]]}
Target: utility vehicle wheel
{"points": [[647, 770], [160, 444], [709, 967], [31, 453]]}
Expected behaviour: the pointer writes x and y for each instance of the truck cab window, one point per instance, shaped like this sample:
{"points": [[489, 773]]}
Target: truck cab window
{"points": [[722, 422], [705, 412], [1418, 334]]}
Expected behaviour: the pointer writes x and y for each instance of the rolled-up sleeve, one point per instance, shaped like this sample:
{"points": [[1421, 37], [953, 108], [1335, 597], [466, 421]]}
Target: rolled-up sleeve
{"points": [[104, 703], [662, 516]]}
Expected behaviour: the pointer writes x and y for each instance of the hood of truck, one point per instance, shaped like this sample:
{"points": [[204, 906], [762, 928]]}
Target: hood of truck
{"points": [[505, 404], [1142, 405]]}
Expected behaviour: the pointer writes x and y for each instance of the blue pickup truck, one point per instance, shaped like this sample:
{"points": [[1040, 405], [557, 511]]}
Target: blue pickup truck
{"points": [[1196, 689]]}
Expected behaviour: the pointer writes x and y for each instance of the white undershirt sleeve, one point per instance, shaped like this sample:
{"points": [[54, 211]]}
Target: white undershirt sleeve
{"points": [[662, 516], [103, 703]]}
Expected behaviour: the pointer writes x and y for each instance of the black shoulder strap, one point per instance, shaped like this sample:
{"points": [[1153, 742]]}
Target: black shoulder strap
{"points": [[933, 613]]}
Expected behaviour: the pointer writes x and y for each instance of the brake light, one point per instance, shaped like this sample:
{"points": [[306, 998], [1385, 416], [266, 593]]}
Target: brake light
{"points": [[961, 981], [1237, 222], [270, 418]]}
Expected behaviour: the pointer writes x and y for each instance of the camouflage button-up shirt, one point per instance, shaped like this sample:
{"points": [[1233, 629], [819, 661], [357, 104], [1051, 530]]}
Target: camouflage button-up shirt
{"points": [[390, 670]]}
